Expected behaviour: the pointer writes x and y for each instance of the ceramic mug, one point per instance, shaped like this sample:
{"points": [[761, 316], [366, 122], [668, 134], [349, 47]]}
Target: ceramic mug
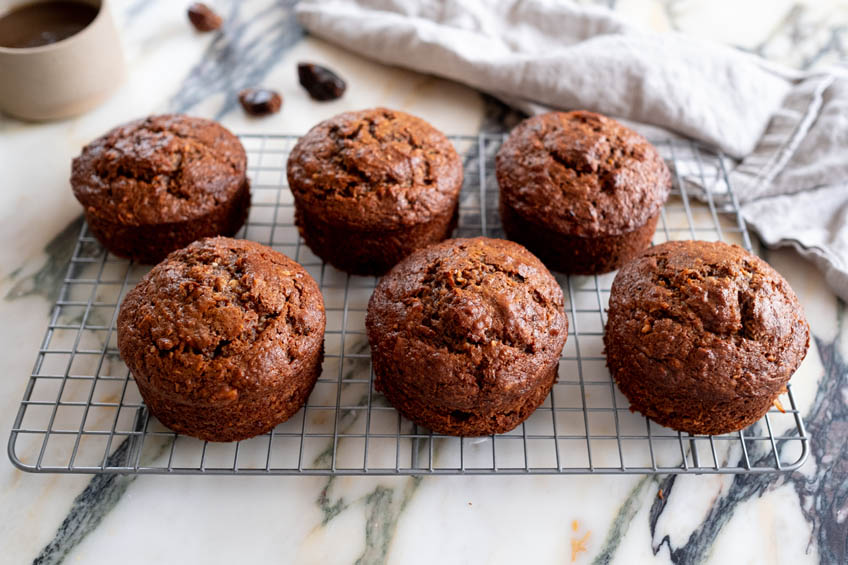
{"points": [[66, 78]]}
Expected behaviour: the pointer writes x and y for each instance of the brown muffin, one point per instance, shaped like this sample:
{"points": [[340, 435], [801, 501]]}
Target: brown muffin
{"points": [[225, 338], [466, 335], [154, 185], [580, 190], [703, 336], [372, 186]]}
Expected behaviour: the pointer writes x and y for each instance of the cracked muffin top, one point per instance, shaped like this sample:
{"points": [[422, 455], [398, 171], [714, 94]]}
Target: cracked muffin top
{"points": [[581, 173], [707, 313], [160, 169], [220, 318], [375, 168], [479, 313]]}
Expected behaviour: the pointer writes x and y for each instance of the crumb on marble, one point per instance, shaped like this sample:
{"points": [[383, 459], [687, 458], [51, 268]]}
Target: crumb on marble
{"points": [[578, 546]]}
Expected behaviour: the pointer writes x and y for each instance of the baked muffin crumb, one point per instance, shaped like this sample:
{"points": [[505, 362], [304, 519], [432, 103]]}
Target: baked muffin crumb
{"points": [[224, 338], [580, 190], [154, 185], [466, 335], [372, 186], [703, 336]]}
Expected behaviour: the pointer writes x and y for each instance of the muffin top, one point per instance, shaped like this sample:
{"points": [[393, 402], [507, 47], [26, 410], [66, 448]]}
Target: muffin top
{"points": [[582, 174], [711, 313], [479, 313], [375, 168], [220, 318], [160, 169]]}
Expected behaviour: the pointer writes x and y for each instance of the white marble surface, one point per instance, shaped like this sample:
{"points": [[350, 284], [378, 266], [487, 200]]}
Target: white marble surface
{"points": [[796, 518]]}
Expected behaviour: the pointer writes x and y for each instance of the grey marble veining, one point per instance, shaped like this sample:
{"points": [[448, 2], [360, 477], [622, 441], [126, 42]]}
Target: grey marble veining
{"points": [[99, 497], [47, 280], [240, 56], [824, 492], [379, 520]]}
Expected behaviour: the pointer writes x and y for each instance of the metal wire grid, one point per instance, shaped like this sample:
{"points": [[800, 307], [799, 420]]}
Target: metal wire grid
{"points": [[82, 413]]}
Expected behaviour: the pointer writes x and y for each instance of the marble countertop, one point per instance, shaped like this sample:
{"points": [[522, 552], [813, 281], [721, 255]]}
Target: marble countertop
{"points": [[800, 517]]}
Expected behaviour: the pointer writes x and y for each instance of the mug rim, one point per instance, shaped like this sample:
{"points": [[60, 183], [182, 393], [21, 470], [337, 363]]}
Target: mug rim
{"points": [[101, 6]]}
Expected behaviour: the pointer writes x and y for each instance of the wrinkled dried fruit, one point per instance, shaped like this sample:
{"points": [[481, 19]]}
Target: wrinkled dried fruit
{"points": [[260, 101], [320, 82], [203, 18]]}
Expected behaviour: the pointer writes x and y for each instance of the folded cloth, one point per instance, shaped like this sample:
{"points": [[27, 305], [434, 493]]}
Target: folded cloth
{"points": [[788, 129], [794, 185]]}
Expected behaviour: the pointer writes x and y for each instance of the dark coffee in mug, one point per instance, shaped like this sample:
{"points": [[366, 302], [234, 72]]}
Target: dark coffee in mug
{"points": [[42, 23]]}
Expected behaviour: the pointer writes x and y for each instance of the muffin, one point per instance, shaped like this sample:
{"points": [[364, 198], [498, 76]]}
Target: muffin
{"points": [[154, 185], [372, 186], [466, 335], [225, 338], [702, 337], [580, 190]]}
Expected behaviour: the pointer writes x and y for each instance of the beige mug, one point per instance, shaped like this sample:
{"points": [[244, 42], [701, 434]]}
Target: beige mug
{"points": [[62, 79]]}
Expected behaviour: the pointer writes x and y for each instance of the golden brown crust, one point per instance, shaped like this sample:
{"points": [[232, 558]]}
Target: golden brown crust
{"points": [[703, 336], [154, 185], [223, 327], [466, 335], [362, 177], [585, 180], [376, 168]]}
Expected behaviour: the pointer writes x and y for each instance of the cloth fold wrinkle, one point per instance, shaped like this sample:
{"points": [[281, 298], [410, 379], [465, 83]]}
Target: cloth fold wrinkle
{"points": [[563, 56], [787, 130]]}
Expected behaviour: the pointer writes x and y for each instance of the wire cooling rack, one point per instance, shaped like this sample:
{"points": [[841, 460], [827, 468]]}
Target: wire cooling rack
{"points": [[82, 412]]}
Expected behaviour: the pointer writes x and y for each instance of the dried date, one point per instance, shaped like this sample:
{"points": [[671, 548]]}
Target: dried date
{"points": [[203, 18], [260, 101], [321, 83]]}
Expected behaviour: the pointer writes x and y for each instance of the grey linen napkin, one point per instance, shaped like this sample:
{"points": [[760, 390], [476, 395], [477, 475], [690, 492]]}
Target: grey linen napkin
{"points": [[788, 130]]}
